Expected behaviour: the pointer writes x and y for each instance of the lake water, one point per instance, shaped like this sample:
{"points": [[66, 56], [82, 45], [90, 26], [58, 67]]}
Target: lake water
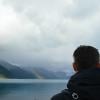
{"points": [[30, 89]]}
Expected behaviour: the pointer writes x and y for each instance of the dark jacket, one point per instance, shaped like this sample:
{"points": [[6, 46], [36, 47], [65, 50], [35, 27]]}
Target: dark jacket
{"points": [[84, 85]]}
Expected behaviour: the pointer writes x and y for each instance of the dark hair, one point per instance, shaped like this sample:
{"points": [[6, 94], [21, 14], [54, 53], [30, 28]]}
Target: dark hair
{"points": [[86, 57]]}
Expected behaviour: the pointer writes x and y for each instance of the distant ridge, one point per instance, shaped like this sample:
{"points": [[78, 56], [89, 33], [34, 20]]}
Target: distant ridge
{"points": [[11, 71]]}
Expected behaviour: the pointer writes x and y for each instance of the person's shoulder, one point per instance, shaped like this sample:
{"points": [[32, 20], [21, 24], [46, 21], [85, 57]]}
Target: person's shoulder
{"points": [[58, 96], [61, 96]]}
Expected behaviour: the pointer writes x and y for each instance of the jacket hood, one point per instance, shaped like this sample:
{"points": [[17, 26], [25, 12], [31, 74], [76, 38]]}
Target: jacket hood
{"points": [[86, 84]]}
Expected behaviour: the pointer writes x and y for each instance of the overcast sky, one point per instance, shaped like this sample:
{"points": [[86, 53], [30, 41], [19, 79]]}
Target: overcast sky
{"points": [[46, 32]]}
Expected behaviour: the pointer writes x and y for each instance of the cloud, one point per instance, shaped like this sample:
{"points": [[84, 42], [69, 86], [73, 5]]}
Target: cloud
{"points": [[45, 33], [83, 9]]}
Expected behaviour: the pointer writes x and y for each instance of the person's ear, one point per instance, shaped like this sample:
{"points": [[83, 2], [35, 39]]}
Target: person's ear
{"points": [[75, 67], [98, 65]]}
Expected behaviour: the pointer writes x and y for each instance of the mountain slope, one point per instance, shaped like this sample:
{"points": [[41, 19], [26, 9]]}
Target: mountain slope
{"points": [[13, 71], [48, 74], [8, 70]]}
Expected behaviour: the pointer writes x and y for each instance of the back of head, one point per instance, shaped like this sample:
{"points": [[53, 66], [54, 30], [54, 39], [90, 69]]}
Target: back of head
{"points": [[86, 57]]}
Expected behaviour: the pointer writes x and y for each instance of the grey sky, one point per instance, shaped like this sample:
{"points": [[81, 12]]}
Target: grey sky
{"points": [[45, 32]]}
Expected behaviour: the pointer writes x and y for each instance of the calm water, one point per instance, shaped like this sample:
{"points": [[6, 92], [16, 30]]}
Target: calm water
{"points": [[30, 89]]}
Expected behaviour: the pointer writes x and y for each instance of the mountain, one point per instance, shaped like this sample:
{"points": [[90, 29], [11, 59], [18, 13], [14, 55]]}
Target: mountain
{"points": [[4, 73], [48, 74], [12, 71]]}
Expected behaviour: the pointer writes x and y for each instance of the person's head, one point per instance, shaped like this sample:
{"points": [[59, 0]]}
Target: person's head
{"points": [[85, 57]]}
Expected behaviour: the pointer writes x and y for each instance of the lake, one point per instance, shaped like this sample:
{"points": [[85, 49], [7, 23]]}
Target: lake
{"points": [[30, 89]]}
